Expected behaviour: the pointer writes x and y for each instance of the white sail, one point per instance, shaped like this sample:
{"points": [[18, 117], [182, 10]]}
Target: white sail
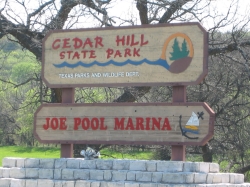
{"points": [[193, 120]]}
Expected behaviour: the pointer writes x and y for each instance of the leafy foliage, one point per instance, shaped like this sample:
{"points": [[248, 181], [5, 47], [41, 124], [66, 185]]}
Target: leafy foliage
{"points": [[18, 100], [24, 70], [8, 46]]}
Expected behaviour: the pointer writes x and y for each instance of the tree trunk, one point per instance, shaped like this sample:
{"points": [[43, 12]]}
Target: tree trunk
{"points": [[206, 153]]}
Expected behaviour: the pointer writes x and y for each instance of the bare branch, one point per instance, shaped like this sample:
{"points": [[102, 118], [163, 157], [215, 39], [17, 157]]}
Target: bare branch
{"points": [[31, 40], [244, 169], [5, 4], [174, 6], [141, 5], [14, 18], [103, 21], [225, 20], [59, 20], [37, 11], [228, 48], [18, 85], [132, 94]]}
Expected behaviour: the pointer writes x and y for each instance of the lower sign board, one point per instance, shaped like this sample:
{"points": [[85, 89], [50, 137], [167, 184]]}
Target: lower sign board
{"points": [[130, 123]]}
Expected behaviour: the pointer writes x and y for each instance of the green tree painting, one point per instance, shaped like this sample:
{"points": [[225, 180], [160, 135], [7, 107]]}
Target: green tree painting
{"points": [[177, 52]]}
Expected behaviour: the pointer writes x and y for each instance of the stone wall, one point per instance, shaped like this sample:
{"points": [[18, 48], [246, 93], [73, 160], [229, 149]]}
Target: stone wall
{"points": [[31, 172]]}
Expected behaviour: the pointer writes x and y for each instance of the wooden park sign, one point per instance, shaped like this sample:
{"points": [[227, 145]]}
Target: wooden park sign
{"points": [[131, 123], [162, 54]]}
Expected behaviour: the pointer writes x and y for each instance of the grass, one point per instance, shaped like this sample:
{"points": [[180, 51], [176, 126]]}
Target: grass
{"points": [[128, 154], [28, 152], [50, 152]]}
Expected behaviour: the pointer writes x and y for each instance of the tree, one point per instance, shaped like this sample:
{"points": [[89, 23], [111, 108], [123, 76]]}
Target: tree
{"points": [[184, 49], [225, 88], [18, 91], [177, 52]]}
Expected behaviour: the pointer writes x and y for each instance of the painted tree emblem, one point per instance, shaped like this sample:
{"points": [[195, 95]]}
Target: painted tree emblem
{"points": [[177, 52], [180, 56]]}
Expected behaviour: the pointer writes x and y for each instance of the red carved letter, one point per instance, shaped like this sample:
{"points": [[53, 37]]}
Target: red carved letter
{"points": [[136, 52], [102, 127], [127, 52], [76, 55], [139, 124], [156, 123], [117, 53], [142, 40], [92, 54], [119, 125], [77, 122], [54, 123], [98, 41], [84, 53], [148, 123], [166, 125], [62, 55], [46, 125], [118, 40], [66, 43], [56, 46], [77, 43], [133, 41], [85, 126], [69, 54], [130, 125], [109, 52], [88, 42], [94, 123], [62, 124], [128, 40]]}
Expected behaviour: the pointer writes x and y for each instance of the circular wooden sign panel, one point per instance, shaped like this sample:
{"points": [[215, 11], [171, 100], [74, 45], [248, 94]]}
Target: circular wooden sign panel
{"points": [[163, 54], [141, 123]]}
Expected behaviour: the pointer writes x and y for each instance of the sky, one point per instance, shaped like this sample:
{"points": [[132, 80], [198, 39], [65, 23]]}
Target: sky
{"points": [[221, 7], [127, 10]]}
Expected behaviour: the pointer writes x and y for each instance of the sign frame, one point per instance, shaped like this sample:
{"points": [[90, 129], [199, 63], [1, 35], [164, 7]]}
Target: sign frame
{"points": [[119, 84], [205, 106]]}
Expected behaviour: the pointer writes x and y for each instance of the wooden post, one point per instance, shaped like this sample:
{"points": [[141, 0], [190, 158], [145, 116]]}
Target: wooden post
{"points": [[68, 96], [178, 151]]}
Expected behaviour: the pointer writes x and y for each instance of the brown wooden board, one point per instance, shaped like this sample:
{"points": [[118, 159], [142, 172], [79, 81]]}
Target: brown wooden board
{"points": [[162, 54], [130, 123]]}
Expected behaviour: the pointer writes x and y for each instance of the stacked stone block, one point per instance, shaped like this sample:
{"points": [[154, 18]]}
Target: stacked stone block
{"points": [[31, 172]]}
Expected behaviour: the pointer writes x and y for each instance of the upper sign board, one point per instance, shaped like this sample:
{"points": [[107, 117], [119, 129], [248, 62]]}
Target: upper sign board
{"points": [[163, 54], [125, 123]]}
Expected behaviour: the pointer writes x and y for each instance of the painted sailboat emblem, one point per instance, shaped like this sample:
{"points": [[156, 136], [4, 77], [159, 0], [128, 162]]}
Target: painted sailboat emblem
{"points": [[192, 125]]}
